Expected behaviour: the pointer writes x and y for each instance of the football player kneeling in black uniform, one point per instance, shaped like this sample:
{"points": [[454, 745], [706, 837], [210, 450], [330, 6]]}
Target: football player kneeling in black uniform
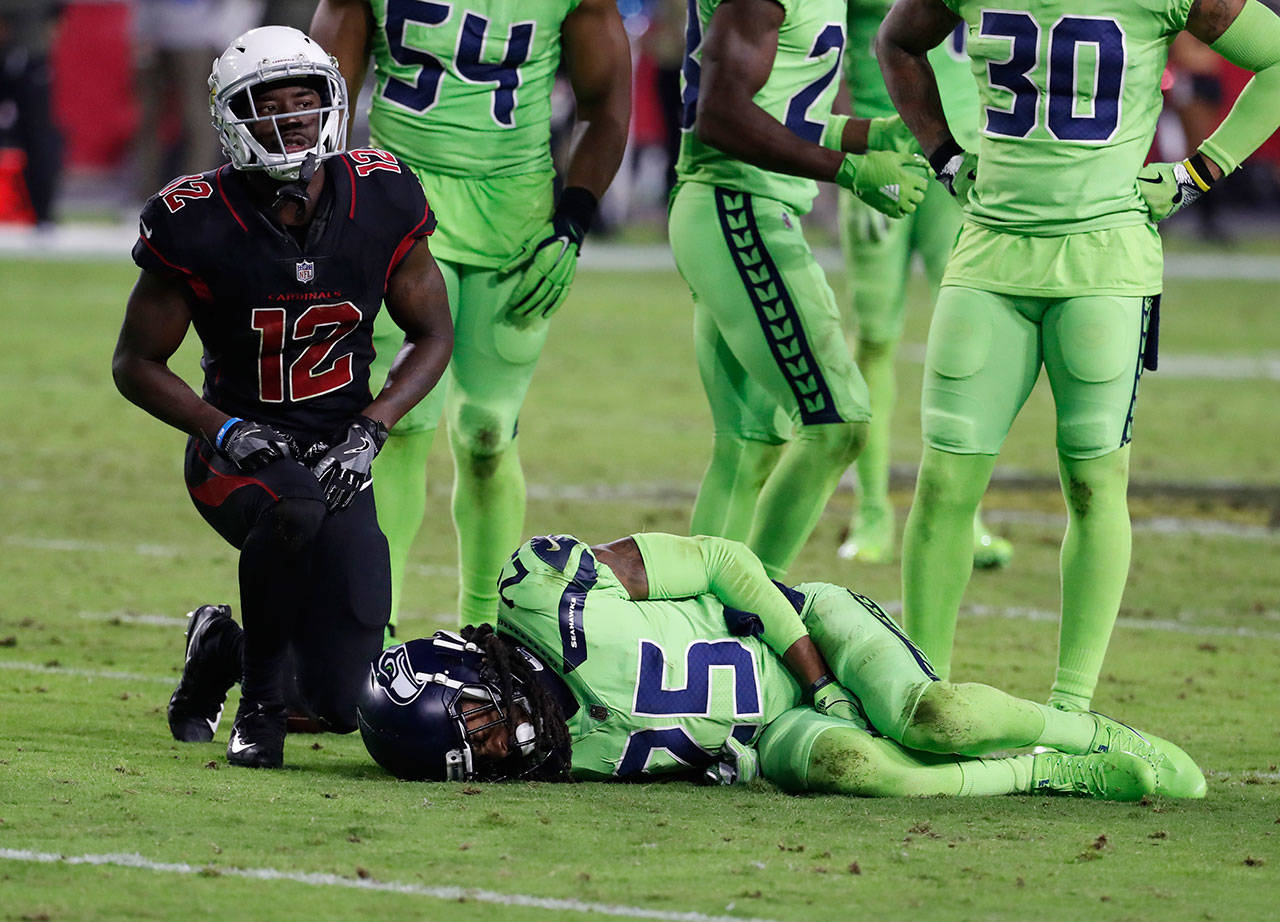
{"points": [[281, 259]]}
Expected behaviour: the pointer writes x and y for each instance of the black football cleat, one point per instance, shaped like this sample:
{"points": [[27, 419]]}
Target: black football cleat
{"points": [[257, 737], [195, 707]]}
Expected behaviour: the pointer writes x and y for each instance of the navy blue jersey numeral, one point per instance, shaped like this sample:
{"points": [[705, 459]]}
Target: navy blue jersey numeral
{"points": [[1064, 49], [1102, 103], [654, 699], [420, 95], [691, 71], [829, 39], [504, 75], [424, 92], [1011, 74]]}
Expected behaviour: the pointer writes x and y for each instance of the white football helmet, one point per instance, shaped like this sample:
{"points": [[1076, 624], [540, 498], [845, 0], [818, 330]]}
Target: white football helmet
{"points": [[272, 54]]}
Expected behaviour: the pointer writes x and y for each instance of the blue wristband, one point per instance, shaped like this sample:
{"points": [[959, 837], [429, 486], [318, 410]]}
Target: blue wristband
{"points": [[217, 439]]}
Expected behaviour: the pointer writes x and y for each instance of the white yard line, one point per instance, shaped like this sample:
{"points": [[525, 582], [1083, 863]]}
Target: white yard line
{"points": [[453, 894], [86, 673], [124, 617]]}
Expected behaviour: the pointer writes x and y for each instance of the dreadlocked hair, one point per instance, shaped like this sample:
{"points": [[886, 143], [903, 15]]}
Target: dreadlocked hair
{"points": [[550, 760]]}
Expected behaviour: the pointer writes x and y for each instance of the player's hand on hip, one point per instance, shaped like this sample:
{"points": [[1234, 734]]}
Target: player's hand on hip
{"points": [[834, 700], [344, 470], [959, 174], [888, 181], [892, 133], [252, 446], [1168, 187]]}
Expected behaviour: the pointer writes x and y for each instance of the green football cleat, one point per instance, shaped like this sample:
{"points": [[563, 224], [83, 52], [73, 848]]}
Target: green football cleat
{"points": [[1105, 775], [870, 537], [990, 552], [1176, 774]]}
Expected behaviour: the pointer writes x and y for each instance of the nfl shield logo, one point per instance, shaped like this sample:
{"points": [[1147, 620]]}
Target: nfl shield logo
{"points": [[306, 271]]}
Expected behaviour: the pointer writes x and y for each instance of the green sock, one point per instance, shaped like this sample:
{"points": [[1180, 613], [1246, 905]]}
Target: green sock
{"points": [[1067, 731], [937, 549], [488, 513], [875, 361], [1095, 565], [727, 497], [989, 777], [798, 489], [400, 494]]}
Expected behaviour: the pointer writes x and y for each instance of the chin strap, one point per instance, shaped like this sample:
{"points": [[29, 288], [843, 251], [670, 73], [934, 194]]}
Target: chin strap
{"points": [[295, 193]]}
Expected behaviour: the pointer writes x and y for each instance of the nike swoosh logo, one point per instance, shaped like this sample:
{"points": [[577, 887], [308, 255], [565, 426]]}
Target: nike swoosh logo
{"points": [[238, 745], [553, 544], [364, 446], [146, 231], [1157, 180]]}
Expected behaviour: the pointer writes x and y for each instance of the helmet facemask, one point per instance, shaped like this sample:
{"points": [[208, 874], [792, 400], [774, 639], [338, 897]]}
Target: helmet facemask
{"points": [[283, 57]]}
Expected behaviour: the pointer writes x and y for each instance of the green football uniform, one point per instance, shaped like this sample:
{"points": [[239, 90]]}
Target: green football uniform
{"points": [[768, 337], [1069, 94], [662, 683], [463, 95]]}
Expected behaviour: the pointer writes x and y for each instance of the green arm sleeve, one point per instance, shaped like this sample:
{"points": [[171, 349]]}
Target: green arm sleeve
{"points": [[1251, 42], [682, 567]]}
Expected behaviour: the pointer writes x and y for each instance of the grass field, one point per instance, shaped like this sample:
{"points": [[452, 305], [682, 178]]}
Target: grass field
{"points": [[102, 816]]}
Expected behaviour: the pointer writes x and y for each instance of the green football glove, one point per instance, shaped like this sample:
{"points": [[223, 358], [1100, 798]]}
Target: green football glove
{"points": [[887, 180], [739, 764], [834, 700], [891, 133], [549, 259], [1169, 187]]}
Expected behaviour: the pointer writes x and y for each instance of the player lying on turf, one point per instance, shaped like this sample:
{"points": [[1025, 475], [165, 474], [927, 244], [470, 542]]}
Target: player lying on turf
{"points": [[657, 654]]}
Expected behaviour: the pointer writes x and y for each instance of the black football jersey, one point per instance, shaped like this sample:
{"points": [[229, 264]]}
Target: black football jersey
{"points": [[287, 326]]}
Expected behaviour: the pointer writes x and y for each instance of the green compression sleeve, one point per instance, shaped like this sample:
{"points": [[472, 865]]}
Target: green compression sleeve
{"points": [[682, 567], [1251, 42]]}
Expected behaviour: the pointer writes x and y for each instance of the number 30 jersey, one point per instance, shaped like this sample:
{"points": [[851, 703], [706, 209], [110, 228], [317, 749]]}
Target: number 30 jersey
{"points": [[1069, 97], [660, 684], [799, 92], [286, 324]]}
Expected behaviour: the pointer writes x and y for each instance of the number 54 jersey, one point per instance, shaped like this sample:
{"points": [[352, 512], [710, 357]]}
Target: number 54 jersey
{"points": [[660, 684], [1069, 96], [286, 321]]}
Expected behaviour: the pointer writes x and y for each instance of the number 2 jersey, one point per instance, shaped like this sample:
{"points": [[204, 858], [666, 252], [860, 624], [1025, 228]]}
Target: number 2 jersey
{"points": [[799, 92], [286, 324], [661, 684]]}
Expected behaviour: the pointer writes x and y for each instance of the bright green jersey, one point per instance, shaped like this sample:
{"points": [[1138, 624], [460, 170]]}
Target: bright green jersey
{"points": [[661, 684], [1069, 93], [799, 92], [463, 95], [466, 89], [950, 66]]}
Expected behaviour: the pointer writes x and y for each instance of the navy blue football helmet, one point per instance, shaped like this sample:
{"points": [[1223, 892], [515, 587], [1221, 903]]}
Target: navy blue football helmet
{"points": [[413, 712]]}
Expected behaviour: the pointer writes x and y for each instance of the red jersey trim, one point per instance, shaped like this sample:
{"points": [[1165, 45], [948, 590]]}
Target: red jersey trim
{"points": [[198, 287], [226, 201], [351, 213], [214, 492], [407, 243]]}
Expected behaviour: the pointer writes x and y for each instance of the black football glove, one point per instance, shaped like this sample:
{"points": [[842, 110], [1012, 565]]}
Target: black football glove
{"points": [[343, 471], [252, 446]]}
